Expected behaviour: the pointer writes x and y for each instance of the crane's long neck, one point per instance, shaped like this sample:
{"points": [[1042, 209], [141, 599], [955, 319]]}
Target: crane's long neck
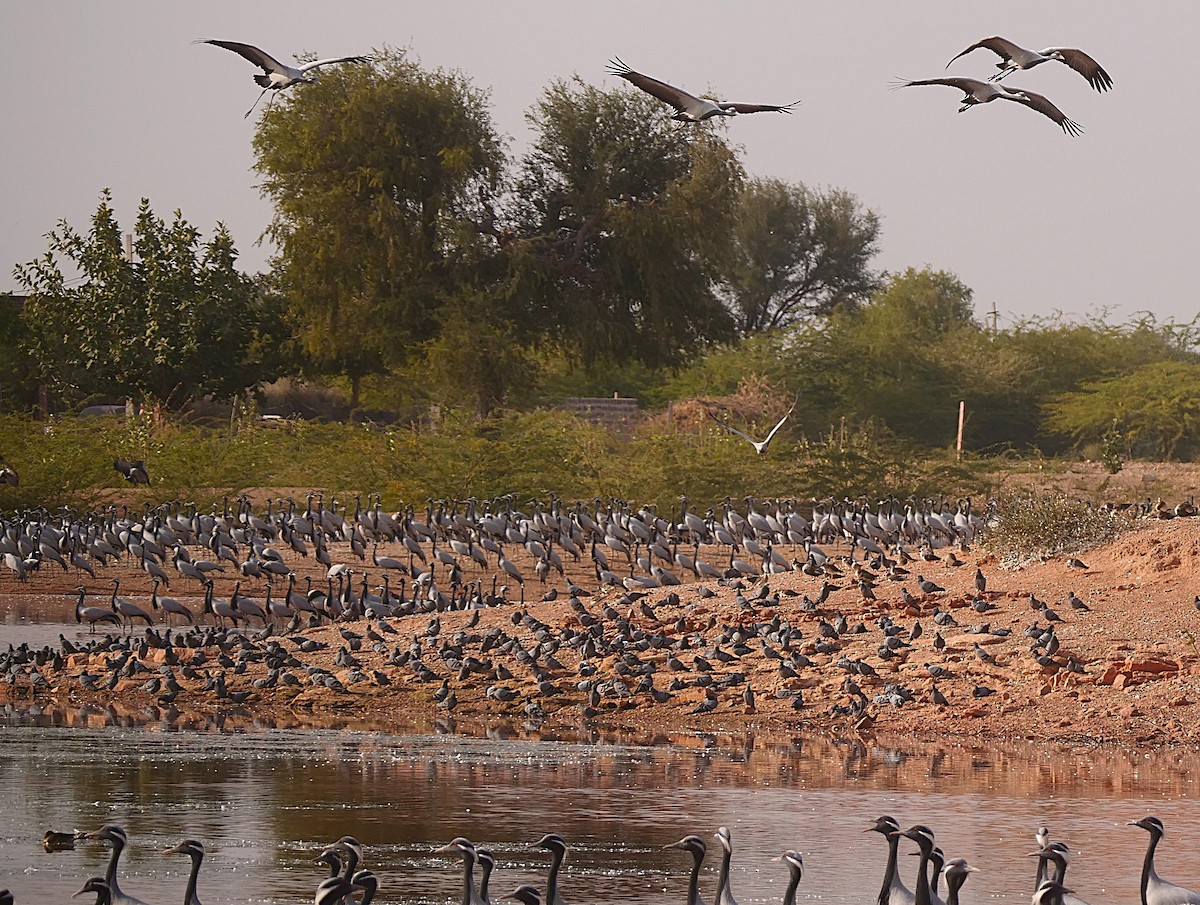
{"points": [[889, 872], [351, 864], [789, 894], [922, 893], [723, 876], [468, 877], [694, 880], [1040, 875], [552, 880], [1148, 872], [189, 896], [110, 872], [1060, 871], [483, 881]]}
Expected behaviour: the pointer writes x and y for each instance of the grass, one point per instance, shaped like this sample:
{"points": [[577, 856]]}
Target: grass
{"points": [[68, 462]]}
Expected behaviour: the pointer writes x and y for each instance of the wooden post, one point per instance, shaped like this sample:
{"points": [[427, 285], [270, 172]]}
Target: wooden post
{"points": [[962, 411]]}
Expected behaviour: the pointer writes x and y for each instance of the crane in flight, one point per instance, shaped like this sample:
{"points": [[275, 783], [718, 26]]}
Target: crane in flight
{"points": [[760, 446], [1013, 58], [688, 107], [276, 76], [977, 92]]}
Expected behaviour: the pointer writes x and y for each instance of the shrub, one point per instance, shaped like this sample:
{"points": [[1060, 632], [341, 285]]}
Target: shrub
{"points": [[1025, 528]]}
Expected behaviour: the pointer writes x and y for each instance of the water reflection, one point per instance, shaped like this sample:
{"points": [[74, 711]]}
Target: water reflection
{"points": [[265, 801]]}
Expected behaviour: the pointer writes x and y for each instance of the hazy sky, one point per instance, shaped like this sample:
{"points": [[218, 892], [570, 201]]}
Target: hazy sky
{"points": [[115, 94]]}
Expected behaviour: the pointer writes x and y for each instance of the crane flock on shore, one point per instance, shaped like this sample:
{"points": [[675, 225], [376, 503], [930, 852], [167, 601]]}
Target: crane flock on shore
{"points": [[415, 603], [350, 882]]}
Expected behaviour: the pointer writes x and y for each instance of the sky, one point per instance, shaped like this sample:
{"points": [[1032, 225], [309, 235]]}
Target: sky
{"points": [[116, 95]]}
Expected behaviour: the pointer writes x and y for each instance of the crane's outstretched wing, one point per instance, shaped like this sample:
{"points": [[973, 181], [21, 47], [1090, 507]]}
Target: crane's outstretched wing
{"points": [[676, 97], [259, 58], [965, 85], [758, 108], [357, 58], [775, 429], [732, 430], [1002, 47], [1043, 106], [1084, 65]]}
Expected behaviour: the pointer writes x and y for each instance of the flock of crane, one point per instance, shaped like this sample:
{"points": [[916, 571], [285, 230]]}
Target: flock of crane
{"points": [[348, 877], [276, 76], [439, 546]]}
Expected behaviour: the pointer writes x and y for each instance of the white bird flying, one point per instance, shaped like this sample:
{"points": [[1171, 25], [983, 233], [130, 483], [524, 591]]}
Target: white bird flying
{"points": [[1013, 58], [760, 446], [978, 92], [276, 76], [688, 107]]}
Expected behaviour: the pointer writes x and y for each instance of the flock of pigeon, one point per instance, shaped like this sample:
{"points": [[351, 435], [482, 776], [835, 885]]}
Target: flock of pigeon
{"points": [[276, 76]]}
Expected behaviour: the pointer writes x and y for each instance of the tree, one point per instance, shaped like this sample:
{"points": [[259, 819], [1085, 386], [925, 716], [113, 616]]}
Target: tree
{"points": [[376, 173], [1157, 407], [177, 322], [798, 253], [620, 221]]}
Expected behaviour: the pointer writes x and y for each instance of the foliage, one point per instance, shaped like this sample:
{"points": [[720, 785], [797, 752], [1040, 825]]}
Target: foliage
{"points": [[798, 252], [375, 172], [620, 219], [1157, 407], [1024, 527], [179, 321], [1111, 442], [18, 376], [68, 461]]}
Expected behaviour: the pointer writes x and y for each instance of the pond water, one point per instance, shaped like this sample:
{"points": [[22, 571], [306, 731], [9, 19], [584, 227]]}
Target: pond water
{"points": [[265, 802]]}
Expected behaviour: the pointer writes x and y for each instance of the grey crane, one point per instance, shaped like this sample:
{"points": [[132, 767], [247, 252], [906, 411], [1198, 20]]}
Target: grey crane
{"points": [[93, 614], [724, 895], [1059, 855], [194, 849], [127, 609], [462, 847], [893, 891], [923, 836], [1155, 890], [115, 836], [276, 76], [956, 872], [95, 885], [688, 107], [696, 846], [795, 865], [976, 92], [558, 849], [170, 606], [1014, 57]]}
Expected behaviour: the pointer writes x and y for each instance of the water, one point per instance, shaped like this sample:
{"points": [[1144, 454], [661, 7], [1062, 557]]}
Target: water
{"points": [[265, 802]]}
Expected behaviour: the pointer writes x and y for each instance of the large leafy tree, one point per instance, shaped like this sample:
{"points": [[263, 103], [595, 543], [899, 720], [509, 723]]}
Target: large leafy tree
{"points": [[177, 322], [376, 173], [798, 252], [620, 222], [1156, 408]]}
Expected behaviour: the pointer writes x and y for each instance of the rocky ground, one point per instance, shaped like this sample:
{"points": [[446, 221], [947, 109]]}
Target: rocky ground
{"points": [[1124, 668]]}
